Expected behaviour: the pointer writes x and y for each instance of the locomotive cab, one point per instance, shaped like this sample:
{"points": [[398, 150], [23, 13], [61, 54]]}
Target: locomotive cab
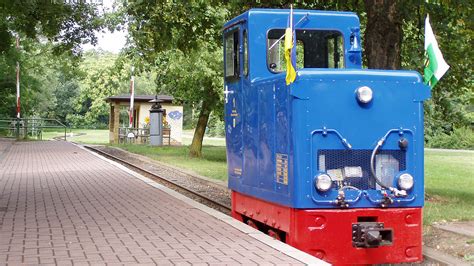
{"points": [[332, 163]]}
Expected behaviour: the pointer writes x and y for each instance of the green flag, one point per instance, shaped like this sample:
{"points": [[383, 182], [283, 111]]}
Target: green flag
{"points": [[435, 66]]}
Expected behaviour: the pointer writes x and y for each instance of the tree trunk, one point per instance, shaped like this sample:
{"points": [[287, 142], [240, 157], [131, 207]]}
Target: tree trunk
{"points": [[383, 34], [195, 150]]}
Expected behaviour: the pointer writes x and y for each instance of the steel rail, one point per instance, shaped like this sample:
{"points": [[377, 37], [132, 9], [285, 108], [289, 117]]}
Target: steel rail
{"points": [[160, 178]]}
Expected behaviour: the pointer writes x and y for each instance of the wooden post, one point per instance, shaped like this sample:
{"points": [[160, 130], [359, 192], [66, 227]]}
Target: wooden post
{"points": [[111, 122], [114, 122]]}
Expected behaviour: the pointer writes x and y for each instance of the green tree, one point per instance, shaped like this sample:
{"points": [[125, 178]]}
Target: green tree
{"points": [[50, 32], [67, 23], [178, 72], [454, 28], [99, 79], [392, 37], [188, 35], [65, 94], [39, 75], [101, 75], [383, 34]]}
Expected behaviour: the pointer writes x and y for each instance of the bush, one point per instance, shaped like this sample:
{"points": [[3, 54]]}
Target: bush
{"points": [[215, 126], [217, 129], [460, 138]]}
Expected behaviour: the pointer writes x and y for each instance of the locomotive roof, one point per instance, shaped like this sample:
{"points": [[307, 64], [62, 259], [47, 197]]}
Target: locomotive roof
{"points": [[266, 11]]}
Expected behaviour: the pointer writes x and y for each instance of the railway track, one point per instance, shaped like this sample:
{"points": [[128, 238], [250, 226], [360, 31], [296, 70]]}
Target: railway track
{"points": [[225, 208], [432, 257]]}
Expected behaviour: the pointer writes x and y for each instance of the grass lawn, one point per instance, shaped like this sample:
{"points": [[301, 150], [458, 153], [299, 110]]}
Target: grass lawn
{"points": [[212, 164], [101, 136], [90, 136], [211, 141], [449, 183], [207, 141]]}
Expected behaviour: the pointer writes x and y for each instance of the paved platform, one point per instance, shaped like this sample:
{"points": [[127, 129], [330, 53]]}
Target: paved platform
{"points": [[63, 205]]}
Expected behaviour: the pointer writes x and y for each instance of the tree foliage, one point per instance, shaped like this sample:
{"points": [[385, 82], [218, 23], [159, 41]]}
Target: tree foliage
{"points": [[393, 38], [181, 40], [103, 74], [66, 23], [454, 28], [178, 45], [40, 70], [194, 78], [50, 33], [157, 26]]}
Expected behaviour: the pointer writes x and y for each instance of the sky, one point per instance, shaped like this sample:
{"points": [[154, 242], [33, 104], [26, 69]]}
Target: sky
{"points": [[108, 41]]}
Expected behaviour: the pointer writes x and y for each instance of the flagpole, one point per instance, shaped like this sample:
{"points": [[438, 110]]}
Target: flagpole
{"points": [[17, 81], [132, 96], [283, 36], [291, 16]]}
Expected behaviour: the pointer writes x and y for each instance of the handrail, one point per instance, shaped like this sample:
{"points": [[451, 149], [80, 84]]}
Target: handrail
{"points": [[21, 126]]}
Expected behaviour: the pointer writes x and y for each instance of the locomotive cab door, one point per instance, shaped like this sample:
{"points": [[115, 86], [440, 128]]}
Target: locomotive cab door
{"points": [[235, 74]]}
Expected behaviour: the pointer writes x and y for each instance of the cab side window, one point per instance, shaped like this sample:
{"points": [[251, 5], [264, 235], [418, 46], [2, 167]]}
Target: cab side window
{"points": [[232, 64], [246, 53]]}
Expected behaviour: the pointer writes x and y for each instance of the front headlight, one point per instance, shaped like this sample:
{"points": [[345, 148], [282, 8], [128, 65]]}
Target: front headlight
{"points": [[364, 94], [323, 182], [405, 181]]}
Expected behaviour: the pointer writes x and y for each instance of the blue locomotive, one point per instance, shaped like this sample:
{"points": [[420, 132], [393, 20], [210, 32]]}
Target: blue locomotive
{"points": [[332, 163]]}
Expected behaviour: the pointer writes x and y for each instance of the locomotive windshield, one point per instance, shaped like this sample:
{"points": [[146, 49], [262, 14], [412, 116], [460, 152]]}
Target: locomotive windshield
{"points": [[314, 49]]}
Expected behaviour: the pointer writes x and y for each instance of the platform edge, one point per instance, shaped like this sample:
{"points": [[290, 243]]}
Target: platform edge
{"points": [[257, 235]]}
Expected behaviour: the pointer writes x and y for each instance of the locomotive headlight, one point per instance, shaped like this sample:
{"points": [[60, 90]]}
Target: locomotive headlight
{"points": [[405, 181], [364, 94], [323, 182]]}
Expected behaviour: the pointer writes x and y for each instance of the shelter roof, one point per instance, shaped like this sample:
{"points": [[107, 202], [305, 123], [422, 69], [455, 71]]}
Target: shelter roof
{"points": [[139, 98]]}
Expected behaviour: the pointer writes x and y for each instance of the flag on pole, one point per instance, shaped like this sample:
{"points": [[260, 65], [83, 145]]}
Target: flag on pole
{"points": [[435, 66], [132, 97], [17, 81], [290, 56]]}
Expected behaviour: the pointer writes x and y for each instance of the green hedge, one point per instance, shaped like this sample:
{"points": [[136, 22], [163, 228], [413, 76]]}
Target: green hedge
{"points": [[460, 138]]}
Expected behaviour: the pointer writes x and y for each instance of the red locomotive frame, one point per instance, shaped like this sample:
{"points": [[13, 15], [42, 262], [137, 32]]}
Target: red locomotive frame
{"points": [[327, 233]]}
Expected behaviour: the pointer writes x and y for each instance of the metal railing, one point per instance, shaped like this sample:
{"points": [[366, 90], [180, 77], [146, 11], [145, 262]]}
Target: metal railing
{"points": [[24, 128], [141, 135], [133, 135]]}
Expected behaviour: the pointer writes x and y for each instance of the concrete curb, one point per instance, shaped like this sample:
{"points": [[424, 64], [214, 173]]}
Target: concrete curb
{"points": [[441, 258], [459, 229], [276, 244]]}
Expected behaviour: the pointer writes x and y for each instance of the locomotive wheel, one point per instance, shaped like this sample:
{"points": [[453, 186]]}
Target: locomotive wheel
{"points": [[274, 234], [252, 224]]}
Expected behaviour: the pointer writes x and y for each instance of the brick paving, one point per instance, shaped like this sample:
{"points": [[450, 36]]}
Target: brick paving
{"points": [[66, 206]]}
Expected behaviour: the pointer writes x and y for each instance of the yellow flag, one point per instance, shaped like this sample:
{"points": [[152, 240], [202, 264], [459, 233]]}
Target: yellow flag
{"points": [[290, 68]]}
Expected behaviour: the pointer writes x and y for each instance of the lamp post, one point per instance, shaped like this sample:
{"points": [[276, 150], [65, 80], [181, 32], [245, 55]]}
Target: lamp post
{"points": [[156, 122]]}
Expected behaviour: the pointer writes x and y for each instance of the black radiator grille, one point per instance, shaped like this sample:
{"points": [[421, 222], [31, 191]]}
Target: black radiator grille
{"points": [[388, 164]]}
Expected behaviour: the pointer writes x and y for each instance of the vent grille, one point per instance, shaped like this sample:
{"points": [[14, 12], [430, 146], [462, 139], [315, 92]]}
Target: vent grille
{"points": [[352, 167]]}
